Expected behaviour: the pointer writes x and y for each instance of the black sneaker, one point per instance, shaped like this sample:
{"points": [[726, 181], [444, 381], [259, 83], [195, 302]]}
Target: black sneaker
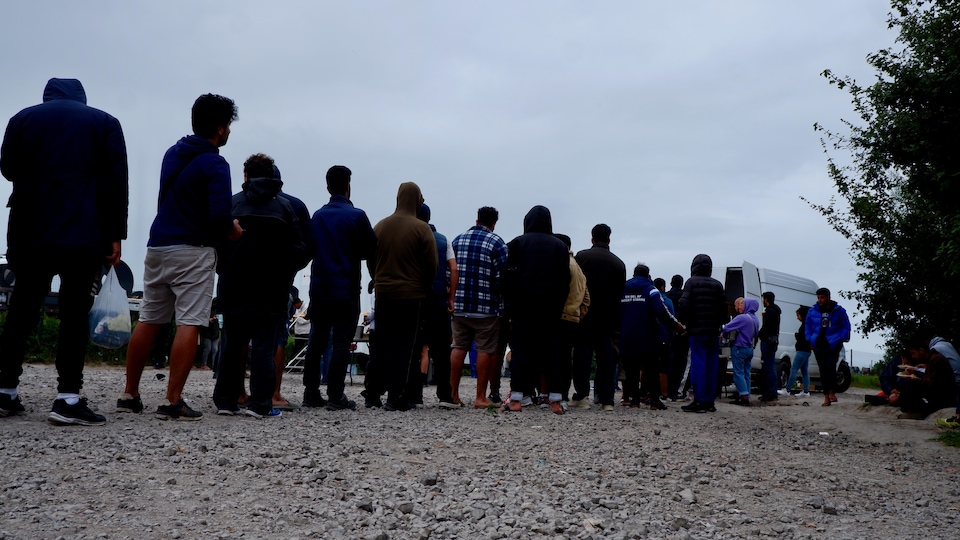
{"points": [[371, 402], [657, 405], [742, 401], [178, 411], [698, 407], [397, 405], [341, 404], [10, 406], [128, 403], [78, 414], [495, 397], [313, 399], [767, 398]]}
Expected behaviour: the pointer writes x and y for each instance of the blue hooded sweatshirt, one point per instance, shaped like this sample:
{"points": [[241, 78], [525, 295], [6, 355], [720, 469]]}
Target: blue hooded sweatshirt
{"points": [[68, 165], [193, 208], [746, 324]]}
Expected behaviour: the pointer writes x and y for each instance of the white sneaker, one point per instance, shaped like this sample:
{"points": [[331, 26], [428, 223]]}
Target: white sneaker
{"points": [[783, 392], [803, 394], [580, 403], [526, 401]]}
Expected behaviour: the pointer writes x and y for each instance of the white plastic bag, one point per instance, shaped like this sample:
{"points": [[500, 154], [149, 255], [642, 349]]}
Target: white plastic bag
{"points": [[110, 314]]}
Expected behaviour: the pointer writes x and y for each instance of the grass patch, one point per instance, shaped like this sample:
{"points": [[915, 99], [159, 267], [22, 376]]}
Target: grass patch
{"points": [[865, 381], [949, 438]]}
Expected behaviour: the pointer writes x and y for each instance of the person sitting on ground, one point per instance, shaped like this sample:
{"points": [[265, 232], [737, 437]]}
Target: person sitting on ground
{"points": [[890, 383], [931, 353], [936, 388]]}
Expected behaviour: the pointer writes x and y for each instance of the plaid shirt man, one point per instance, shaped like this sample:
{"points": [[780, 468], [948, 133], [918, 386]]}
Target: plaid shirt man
{"points": [[481, 259]]}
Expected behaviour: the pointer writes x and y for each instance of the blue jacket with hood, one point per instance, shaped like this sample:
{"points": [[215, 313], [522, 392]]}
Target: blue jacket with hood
{"points": [[832, 321], [193, 208], [642, 308], [68, 165], [746, 324]]}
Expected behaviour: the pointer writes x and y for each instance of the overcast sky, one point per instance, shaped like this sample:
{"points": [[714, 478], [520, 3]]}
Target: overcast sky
{"points": [[685, 126]]}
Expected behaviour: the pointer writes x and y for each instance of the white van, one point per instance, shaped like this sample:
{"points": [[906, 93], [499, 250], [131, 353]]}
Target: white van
{"points": [[750, 281]]}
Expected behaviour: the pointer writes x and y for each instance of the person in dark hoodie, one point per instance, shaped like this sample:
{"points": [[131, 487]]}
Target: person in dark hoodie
{"points": [[403, 271], [642, 308], [344, 238], [537, 281], [68, 213], [271, 234], [193, 217], [703, 310]]}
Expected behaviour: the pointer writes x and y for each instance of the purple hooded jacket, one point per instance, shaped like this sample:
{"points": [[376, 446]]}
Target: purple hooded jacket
{"points": [[746, 324]]}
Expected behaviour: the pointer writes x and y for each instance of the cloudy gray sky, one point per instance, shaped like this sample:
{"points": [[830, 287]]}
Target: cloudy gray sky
{"points": [[685, 126]]}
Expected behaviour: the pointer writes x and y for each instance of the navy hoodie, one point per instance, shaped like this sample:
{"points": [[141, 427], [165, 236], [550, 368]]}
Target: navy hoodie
{"points": [[193, 208], [68, 165]]}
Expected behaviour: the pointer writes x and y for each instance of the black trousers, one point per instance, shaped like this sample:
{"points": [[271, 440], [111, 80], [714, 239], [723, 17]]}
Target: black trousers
{"points": [[238, 330], [535, 346], [438, 335], [399, 341], [79, 270]]}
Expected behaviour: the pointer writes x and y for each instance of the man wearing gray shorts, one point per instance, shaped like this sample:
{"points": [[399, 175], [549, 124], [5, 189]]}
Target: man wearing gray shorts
{"points": [[193, 216], [481, 260]]}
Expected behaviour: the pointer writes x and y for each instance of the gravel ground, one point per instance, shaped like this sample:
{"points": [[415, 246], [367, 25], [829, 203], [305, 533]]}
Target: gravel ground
{"points": [[786, 470]]}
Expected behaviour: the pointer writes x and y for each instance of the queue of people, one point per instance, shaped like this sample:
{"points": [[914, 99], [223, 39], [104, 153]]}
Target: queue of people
{"points": [[564, 316]]}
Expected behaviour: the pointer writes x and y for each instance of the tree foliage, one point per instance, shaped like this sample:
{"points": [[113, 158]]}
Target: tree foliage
{"points": [[901, 184]]}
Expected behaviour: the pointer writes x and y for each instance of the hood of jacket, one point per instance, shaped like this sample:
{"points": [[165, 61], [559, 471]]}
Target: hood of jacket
{"points": [[538, 220], [262, 189], [64, 89], [750, 306], [409, 199], [702, 265], [192, 146]]}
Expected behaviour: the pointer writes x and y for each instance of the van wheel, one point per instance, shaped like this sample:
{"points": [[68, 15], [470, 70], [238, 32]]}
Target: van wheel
{"points": [[843, 377], [783, 372]]}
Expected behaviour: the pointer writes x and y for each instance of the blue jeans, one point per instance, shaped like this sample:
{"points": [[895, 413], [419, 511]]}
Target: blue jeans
{"points": [[331, 322], [768, 369], [704, 358], [801, 361], [741, 357]]}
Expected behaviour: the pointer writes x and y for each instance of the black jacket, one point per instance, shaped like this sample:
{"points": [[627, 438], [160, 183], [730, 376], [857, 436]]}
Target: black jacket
{"points": [[256, 270], [606, 276], [68, 165], [537, 278], [703, 306], [771, 323]]}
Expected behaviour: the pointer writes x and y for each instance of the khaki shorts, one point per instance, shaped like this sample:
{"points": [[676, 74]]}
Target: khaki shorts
{"points": [[178, 283], [483, 330]]}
